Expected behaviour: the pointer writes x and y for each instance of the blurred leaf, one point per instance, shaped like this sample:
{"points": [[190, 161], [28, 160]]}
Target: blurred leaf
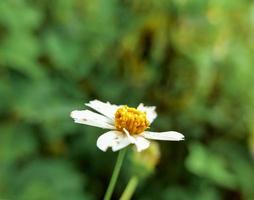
{"points": [[207, 164], [16, 143], [48, 179]]}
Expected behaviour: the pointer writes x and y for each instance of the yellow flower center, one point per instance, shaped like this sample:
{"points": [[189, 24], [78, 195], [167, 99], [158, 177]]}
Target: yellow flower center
{"points": [[133, 120]]}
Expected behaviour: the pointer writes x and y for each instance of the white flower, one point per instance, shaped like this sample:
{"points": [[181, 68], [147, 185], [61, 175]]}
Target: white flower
{"points": [[127, 125]]}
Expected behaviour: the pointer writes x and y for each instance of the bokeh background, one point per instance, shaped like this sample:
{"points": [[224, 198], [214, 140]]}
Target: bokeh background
{"points": [[192, 59]]}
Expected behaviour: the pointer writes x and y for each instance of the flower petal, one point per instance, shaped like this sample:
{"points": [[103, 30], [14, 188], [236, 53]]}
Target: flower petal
{"points": [[131, 138], [169, 135], [120, 143], [84, 114], [106, 109], [91, 118], [150, 111], [114, 139], [106, 140], [141, 143]]}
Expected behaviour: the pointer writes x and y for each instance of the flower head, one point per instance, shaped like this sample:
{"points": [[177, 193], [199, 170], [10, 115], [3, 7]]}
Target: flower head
{"points": [[127, 125], [131, 119]]}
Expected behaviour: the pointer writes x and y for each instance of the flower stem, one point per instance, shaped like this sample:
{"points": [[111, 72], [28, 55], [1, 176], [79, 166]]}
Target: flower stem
{"points": [[115, 174], [130, 188]]}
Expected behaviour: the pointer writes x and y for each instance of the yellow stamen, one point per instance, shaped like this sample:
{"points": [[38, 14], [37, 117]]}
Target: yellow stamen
{"points": [[133, 120]]}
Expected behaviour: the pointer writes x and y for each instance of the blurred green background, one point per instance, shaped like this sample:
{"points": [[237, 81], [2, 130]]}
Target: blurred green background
{"points": [[192, 59]]}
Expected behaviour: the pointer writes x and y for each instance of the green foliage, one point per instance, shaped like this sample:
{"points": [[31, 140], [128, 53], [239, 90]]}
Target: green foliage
{"points": [[192, 59], [209, 165]]}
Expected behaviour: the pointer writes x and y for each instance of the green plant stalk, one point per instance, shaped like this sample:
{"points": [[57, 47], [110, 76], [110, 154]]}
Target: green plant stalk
{"points": [[130, 188], [115, 174]]}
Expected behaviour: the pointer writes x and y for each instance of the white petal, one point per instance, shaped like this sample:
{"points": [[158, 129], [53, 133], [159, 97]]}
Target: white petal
{"points": [[84, 114], [106, 140], [150, 111], [131, 138], [93, 119], [141, 143], [95, 124], [169, 135], [114, 139], [120, 143], [106, 109]]}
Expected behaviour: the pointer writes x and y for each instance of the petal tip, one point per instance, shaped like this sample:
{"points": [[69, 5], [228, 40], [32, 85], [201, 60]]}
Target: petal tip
{"points": [[101, 146], [179, 136], [72, 114], [104, 150]]}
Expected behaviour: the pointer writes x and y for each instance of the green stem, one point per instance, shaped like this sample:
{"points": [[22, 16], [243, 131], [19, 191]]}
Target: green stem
{"points": [[115, 174], [131, 187]]}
